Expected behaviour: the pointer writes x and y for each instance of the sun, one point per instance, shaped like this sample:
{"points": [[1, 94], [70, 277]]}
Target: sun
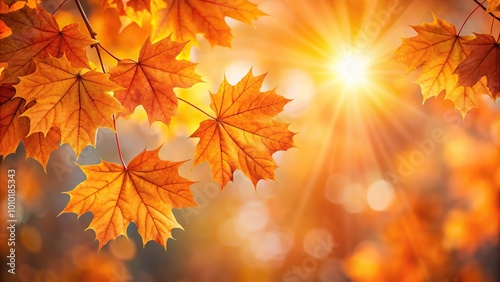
{"points": [[351, 70]]}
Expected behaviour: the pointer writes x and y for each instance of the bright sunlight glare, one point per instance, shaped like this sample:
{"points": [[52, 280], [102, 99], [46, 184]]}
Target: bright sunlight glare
{"points": [[351, 70]]}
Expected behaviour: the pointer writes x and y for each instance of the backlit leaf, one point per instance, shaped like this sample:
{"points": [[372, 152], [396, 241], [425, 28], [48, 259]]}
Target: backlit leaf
{"points": [[151, 80], [184, 19], [74, 99], [243, 134], [36, 34], [144, 193], [12, 128]]}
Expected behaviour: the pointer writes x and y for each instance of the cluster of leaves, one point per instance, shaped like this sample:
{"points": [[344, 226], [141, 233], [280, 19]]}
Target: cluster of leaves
{"points": [[186, 18], [50, 96], [462, 66]]}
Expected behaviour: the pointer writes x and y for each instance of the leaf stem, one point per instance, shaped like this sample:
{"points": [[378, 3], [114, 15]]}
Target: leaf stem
{"points": [[109, 53], [118, 144], [93, 35], [468, 17], [484, 8], [194, 106], [59, 7]]}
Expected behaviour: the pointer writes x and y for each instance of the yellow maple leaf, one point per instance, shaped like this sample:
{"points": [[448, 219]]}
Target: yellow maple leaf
{"points": [[438, 50], [465, 97]]}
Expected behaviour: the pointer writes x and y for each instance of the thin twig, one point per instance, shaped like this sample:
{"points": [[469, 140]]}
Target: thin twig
{"points": [[118, 144], [109, 53], [468, 17], [93, 34]]}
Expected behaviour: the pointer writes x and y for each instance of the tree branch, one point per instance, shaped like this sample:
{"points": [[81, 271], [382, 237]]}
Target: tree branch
{"points": [[93, 34], [484, 8]]}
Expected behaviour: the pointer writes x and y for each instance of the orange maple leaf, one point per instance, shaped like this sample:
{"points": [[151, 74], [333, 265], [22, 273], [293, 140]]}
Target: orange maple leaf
{"points": [[432, 39], [145, 192], [483, 60], [73, 99], [151, 80], [3, 66], [14, 128], [4, 30], [439, 50], [39, 147], [186, 18], [243, 134], [4, 9], [135, 10], [36, 34]]}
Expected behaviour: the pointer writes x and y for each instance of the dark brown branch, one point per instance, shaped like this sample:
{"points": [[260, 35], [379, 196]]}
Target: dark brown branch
{"points": [[484, 8]]}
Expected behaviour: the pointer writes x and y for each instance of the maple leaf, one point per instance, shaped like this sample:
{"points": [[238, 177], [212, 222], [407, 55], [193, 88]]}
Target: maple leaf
{"points": [[3, 66], [139, 5], [243, 135], [36, 34], [12, 128], [39, 147], [4, 30], [145, 192], [493, 6], [438, 49], [73, 99], [4, 9], [135, 10], [483, 60], [465, 97], [186, 18], [151, 80], [432, 39]]}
